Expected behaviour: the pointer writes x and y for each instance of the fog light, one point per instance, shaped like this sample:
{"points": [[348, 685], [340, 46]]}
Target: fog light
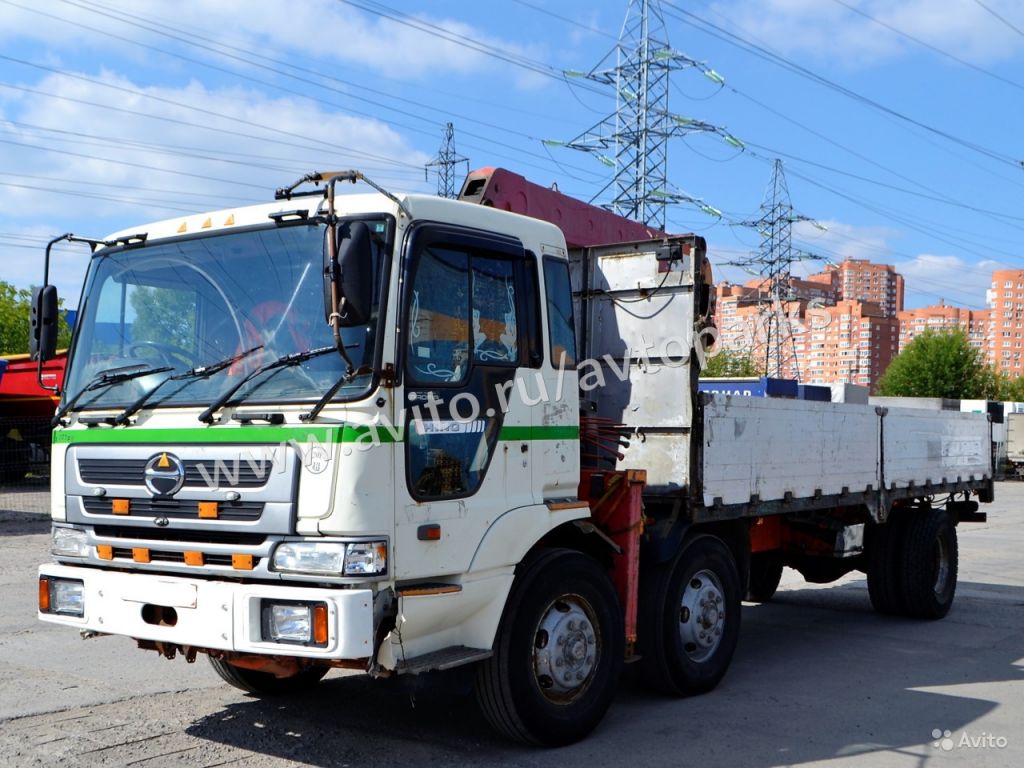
{"points": [[63, 596], [68, 542], [299, 623]]}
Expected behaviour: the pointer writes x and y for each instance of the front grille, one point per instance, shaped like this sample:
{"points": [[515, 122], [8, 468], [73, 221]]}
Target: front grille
{"points": [[218, 474], [236, 511], [191, 537], [156, 556]]}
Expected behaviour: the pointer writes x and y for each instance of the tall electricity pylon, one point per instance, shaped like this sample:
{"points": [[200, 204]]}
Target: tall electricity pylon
{"points": [[446, 162], [637, 134], [773, 261]]}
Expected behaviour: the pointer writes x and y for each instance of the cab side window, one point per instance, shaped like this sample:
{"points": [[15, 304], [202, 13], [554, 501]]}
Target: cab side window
{"points": [[438, 332], [463, 326], [495, 326], [561, 324]]}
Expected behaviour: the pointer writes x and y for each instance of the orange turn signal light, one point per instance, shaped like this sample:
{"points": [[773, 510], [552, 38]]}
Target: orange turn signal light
{"points": [[120, 506], [140, 554], [44, 594], [320, 624], [105, 551], [429, 532]]}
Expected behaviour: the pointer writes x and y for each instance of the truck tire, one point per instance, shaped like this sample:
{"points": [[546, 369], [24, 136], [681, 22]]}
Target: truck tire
{"points": [[690, 618], [883, 544], [765, 575], [264, 683], [929, 564], [558, 652]]}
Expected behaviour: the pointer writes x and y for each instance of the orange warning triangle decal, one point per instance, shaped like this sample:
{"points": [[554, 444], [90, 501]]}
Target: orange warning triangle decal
{"points": [[163, 463]]}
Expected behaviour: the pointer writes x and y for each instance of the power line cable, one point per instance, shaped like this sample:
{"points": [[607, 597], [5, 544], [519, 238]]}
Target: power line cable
{"points": [[929, 46], [1003, 19], [791, 66]]}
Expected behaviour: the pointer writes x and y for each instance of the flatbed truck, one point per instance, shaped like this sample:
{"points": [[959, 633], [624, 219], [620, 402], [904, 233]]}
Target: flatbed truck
{"points": [[399, 434]]}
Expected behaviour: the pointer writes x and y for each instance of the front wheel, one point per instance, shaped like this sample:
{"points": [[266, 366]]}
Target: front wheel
{"points": [[558, 653], [264, 683], [690, 618]]}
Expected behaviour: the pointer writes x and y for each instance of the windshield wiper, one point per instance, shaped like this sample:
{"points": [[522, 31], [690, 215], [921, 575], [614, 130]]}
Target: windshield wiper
{"points": [[201, 372], [106, 379], [295, 358], [346, 378]]}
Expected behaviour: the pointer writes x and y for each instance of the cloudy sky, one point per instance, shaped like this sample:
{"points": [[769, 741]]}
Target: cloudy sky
{"points": [[899, 121]]}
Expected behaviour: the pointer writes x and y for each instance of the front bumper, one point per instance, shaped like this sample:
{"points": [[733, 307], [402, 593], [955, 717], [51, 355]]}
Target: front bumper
{"points": [[216, 615]]}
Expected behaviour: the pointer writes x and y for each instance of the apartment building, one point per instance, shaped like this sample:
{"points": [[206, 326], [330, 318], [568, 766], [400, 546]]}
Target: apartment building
{"points": [[853, 341], [862, 280], [1005, 348], [940, 317]]}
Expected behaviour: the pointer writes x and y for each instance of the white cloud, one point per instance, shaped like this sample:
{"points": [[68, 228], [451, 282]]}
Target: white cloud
{"points": [[827, 30], [326, 29], [931, 278], [127, 167], [191, 140]]}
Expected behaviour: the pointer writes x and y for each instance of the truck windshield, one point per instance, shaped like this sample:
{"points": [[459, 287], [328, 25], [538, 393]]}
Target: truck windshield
{"points": [[193, 302]]}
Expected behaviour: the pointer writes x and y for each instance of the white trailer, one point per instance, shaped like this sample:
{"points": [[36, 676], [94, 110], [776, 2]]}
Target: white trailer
{"points": [[476, 439], [1015, 443]]}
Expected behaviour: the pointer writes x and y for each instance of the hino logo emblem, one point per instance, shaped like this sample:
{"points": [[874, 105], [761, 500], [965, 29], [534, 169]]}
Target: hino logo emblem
{"points": [[161, 521], [164, 474]]}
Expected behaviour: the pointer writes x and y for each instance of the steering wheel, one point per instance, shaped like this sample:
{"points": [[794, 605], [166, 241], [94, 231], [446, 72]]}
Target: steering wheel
{"points": [[168, 353]]}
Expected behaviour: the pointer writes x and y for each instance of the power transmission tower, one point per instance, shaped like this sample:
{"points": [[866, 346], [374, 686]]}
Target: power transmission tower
{"points": [[446, 161], [774, 263], [637, 134]]}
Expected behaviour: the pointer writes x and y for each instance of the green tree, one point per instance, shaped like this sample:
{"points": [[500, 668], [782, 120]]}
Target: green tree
{"points": [[729, 363], [165, 315], [15, 313], [1010, 389], [939, 364]]}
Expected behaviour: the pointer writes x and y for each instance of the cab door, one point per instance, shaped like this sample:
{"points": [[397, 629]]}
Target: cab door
{"points": [[467, 334]]}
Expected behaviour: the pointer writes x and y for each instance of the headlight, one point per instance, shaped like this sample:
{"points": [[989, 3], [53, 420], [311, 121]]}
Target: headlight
{"points": [[68, 542], [366, 558], [332, 558]]}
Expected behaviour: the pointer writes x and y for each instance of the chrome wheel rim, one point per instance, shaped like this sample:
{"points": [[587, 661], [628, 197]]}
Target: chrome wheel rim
{"points": [[702, 615], [566, 649]]}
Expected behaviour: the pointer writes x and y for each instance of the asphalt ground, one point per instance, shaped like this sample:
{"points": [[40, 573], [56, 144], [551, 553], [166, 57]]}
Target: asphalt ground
{"points": [[818, 679]]}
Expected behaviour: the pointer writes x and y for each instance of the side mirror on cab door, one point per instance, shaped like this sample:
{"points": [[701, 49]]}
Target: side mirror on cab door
{"points": [[43, 323]]}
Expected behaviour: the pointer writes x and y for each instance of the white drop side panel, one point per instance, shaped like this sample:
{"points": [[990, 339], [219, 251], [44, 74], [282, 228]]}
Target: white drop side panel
{"points": [[928, 446], [770, 447]]}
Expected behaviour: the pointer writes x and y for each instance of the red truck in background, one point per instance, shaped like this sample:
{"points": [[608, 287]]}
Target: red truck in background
{"points": [[25, 413]]}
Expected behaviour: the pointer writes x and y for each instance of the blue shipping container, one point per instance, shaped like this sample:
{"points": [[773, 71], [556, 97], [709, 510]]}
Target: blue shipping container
{"points": [[814, 392]]}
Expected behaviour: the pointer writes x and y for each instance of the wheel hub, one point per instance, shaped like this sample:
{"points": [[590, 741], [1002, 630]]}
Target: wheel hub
{"points": [[702, 615], [566, 648]]}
